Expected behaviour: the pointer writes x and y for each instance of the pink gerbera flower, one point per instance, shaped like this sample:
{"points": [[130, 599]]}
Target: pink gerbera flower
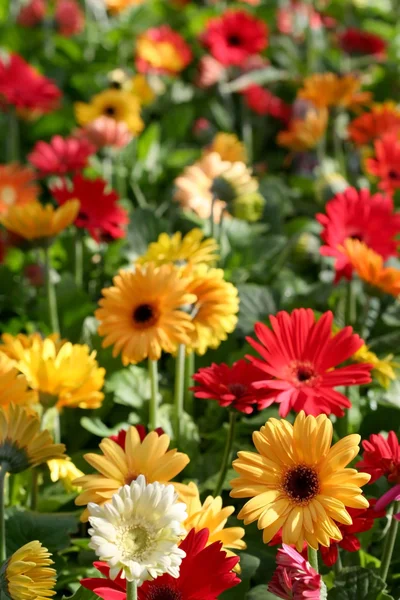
{"points": [[294, 576], [299, 356], [61, 155]]}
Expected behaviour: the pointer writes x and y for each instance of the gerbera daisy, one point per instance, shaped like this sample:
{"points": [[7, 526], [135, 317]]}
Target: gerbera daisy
{"points": [[296, 17], [385, 165], [356, 41], [65, 375], [209, 72], [99, 212], [116, 104], [17, 186], [192, 249], [381, 457], [118, 465], [14, 346], [64, 470], [384, 369], [205, 573], [28, 575], [359, 215], [234, 36], [232, 386], [105, 131], [31, 13], [264, 102], [69, 18], [140, 314], [294, 576], [229, 147], [162, 50], [61, 155], [26, 89], [137, 533], [140, 87], [211, 515], [214, 313], [368, 265], [382, 118], [22, 444], [34, 221], [13, 385], [299, 356], [297, 482], [304, 134], [325, 90]]}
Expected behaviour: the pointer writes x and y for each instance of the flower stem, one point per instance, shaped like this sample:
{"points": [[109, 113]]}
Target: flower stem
{"points": [[338, 564], [389, 543], [153, 373], [131, 590], [313, 558], [212, 222], [349, 310], [13, 137], [227, 453], [3, 553], [78, 259], [179, 391], [189, 372], [34, 488], [51, 293]]}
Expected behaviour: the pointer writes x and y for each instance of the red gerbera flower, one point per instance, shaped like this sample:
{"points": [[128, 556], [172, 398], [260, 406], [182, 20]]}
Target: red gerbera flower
{"points": [[61, 155], [386, 163], [32, 13], [69, 17], [205, 573], [381, 457], [264, 102], [162, 50], [120, 438], [99, 212], [294, 576], [299, 356], [359, 215], [235, 36], [355, 41], [25, 88], [232, 386], [383, 118]]}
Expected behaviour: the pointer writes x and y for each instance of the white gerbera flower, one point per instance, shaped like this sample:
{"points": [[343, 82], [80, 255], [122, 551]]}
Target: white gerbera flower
{"points": [[138, 531]]}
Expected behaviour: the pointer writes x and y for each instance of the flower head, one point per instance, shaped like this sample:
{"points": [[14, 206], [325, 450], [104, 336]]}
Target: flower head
{"points": [[385, 164], [22, 444], [13, 385], [382, 118], [299, 356], [29, 575], [229, 147], [263, 102], [35, 221], [137, 533], [17, 186], [209, 72], [294, 576], [356, 41], [325, 90], [117, 466], [115, 104], [31, 13], [116, 6], [234, 36], [232, 386], [162, 50], [64, 470], [304, 134], [368, 265], [69, 17], [383, 369], [205, 573], [61, 155], [381, 457], [357, 214], [191, 248], [298, 482], [99, 212], [107, 132]]}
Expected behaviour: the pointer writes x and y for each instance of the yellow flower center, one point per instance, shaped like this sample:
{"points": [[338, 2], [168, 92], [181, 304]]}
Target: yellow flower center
{"points": [[301, 484], [145, 315], [134, 542], [8, 195]]}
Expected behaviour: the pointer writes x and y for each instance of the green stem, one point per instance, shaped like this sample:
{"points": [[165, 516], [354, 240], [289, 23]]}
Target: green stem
{"points": [[227, 453], [131, 590], [51, 293], [34, 488], [78, 259], [153, 373], [349, 309], [247, 131], [189, 372], [338, 564], [179, 391], [212, 222], [3, 553], [13, 137], [389, 543], [313, 558], [338, 148]]}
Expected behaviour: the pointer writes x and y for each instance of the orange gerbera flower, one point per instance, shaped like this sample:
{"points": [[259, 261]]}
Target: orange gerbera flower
{"points": [[369, 266], [383, 118], [328, 89], [17, 186], [304, 134]]}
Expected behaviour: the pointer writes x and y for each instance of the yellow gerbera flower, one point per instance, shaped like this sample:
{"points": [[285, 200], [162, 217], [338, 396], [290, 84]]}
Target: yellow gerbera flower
{"points": [[14, 346], [119, 465], [297, 482], [229, 147], [62, 375], [191, 248], [328, 89], [383, 368], [28, 574], [22, 444], [13, 385], [35, 221], [140, 88], [119, 105], [212, 516], [304, 134], [64, 470], [215, 310], [140, 315]]}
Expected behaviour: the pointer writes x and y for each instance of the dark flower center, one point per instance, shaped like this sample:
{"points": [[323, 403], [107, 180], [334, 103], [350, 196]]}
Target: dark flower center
{"points": [[109, 110], [358, 237], [393, 174], [143, 313], [234, 40], [163, 592], [301, 484], [304, 373], [237, 389]]}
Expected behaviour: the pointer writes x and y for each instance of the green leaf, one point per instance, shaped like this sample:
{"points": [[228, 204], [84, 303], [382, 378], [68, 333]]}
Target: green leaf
{"points": [[97, 427], [256, 304], [190, 437], [256, 77], [81, 594], [144, 227], [52, 530], [357, 583], [131, 386], [260, 592]]}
